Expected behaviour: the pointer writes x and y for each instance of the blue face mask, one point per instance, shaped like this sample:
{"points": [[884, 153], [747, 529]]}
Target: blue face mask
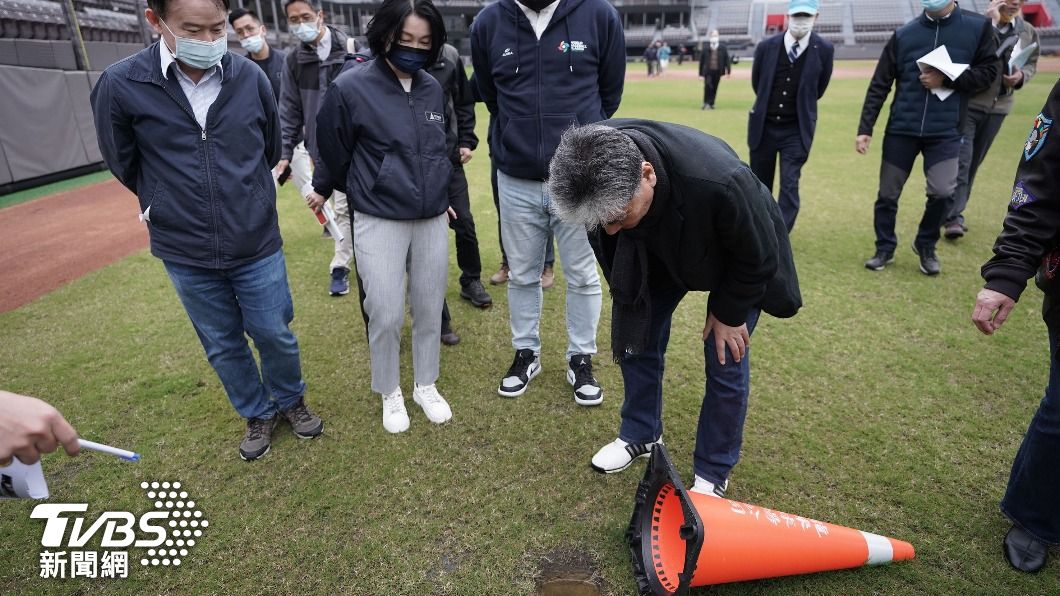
{"points": [[934, 5], [307, 32], [406, 59], [202, 55]]}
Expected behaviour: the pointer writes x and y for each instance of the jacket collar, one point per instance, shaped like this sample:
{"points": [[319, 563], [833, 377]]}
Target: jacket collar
{"points": [[953, 17], [564, 8], [388, 74]]}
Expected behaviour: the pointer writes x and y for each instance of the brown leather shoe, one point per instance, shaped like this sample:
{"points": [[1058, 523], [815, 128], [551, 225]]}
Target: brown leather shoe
{"points": [[548, 277], [500, 277]]}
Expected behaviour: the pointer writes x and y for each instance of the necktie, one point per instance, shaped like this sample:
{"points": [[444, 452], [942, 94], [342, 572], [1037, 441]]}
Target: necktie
{"points": [[794, 52]]}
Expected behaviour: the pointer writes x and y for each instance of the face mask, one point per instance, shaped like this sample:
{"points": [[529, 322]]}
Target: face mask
{"points": [[934, 5], [800, 26], [406, 59], [307, 32], [253, 44], [202, 55], [713, 41]]}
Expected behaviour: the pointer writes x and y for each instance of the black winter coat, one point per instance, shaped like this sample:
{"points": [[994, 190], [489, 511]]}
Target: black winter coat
{"points": [[720, 231]]}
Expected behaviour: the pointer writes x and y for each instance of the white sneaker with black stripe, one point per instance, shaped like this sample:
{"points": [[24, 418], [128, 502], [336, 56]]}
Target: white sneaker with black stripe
{"points": [[524, 368], [618, 455], [706, 487], [587, 391]]}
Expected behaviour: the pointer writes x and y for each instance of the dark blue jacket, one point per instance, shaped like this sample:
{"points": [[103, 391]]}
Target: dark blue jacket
{"points": [[385, 148], [537, 89], [210, 192], [969, 38], [816, 73]]}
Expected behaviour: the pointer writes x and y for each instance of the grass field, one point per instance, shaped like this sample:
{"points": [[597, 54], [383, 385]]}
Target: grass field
{"points": [[878, 407]]}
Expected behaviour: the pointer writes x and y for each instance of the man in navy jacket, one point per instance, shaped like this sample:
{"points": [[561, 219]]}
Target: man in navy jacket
{"points": [[924, 119], [541, 67], [789, 74], [193, 131]]}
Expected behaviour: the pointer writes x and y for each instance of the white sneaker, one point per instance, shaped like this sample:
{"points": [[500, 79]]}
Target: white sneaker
{"points": [[706, 487], [618, 455], [395, 418], [433, 404]]}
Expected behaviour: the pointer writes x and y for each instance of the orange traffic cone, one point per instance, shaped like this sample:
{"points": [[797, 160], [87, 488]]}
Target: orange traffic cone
{"points": [[680, 539]]}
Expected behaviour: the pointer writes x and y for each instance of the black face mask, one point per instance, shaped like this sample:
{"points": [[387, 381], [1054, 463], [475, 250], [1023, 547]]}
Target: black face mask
{"points": [[536, 5]]}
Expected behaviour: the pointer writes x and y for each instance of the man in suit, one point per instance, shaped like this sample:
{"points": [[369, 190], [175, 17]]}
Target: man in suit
{"points": [[789, 74], [714, 61]]}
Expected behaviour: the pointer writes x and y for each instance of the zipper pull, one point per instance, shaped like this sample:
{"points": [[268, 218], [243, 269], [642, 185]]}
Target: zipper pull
{"points": [[204, 134]]}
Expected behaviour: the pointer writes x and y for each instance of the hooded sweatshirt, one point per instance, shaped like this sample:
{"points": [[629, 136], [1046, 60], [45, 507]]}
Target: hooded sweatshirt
{"points": [[535, 89]]}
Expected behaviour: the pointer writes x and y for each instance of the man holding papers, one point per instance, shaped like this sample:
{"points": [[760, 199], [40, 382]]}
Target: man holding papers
{"points": [[945, 49], [1018, 50]]}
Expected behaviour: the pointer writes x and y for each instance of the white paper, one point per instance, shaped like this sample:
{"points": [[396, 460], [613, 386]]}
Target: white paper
{"points": [[1020, 56], [333, 228], [19, 481], [940, 60]]}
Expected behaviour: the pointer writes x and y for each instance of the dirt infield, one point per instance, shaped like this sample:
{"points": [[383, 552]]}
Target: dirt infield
{"points": [[53, 240]]}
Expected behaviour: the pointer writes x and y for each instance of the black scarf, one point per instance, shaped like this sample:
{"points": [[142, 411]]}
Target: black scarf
{"points": [[631, 297]]}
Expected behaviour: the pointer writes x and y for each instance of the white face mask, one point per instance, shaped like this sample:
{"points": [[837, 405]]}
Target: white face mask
{"points": [[714, 42], [253, 44], [800, 26]]}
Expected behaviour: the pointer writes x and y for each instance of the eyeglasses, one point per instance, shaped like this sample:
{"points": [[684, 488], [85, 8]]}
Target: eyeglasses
{"points": [[306, 18]]}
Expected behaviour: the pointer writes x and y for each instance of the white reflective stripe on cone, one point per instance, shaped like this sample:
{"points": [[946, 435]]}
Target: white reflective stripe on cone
{"points": [[880, 550]]}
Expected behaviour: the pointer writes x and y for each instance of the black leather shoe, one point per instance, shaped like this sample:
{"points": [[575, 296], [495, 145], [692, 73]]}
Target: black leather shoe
{"points": [[1023, 551], [450, 338]]}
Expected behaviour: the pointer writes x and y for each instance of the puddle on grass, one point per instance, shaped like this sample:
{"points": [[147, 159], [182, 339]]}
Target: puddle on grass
{"points": [[567, 573]]}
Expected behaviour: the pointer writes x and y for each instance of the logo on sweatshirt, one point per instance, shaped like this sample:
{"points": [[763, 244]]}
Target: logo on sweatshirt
{"points": [[572, 46], [507, 52], [1036, 138], [433, 117]]}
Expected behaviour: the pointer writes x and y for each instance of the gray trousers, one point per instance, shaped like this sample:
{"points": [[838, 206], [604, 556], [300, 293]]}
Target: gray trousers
{"points": [[979, 130], [387, 250]]}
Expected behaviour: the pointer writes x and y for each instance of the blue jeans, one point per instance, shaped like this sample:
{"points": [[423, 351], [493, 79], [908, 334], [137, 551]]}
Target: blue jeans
{"points": [[526, 223], [1032, 500], [721, 417], [254, 299]]}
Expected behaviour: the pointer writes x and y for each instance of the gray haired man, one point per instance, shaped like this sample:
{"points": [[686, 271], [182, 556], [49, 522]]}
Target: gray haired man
{"points": [[679, 213]]}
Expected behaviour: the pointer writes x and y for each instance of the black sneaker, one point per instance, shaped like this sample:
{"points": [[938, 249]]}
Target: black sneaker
{"points": [[587, 391], [258, 439], [304, 423], [476, 293], [340, 281], [929, 263], [879, 260], [524, 368]]}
